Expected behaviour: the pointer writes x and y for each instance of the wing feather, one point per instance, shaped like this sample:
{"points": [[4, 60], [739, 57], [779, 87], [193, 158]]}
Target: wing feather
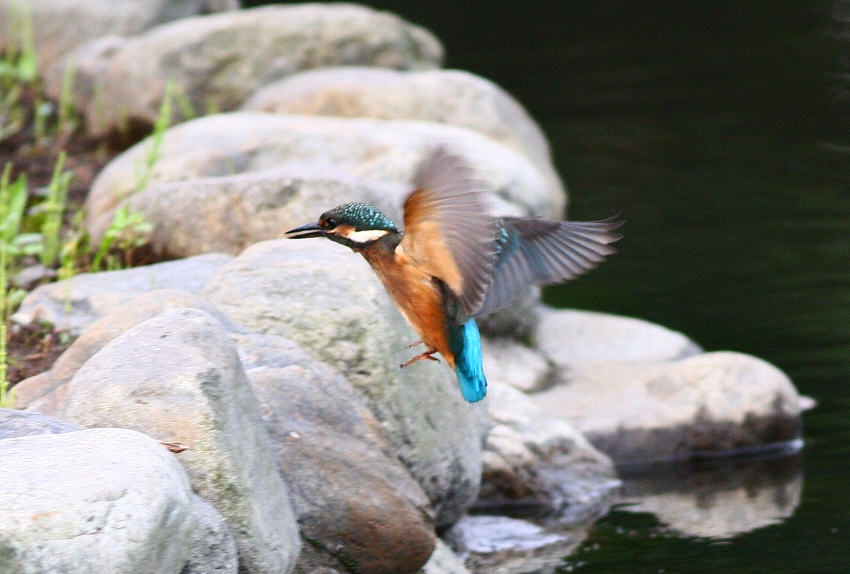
{"points": [[540, 252], [447, 231]]}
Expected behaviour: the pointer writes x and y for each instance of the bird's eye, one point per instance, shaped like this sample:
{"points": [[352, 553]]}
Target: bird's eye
{"points": [[329, 223]]}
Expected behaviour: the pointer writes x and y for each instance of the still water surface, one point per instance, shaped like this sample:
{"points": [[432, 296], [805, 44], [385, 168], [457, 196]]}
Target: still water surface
{"points": [[721, 132]]}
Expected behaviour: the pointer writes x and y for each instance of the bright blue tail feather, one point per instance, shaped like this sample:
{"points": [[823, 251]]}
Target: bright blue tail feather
{"points": [[465, 342]]}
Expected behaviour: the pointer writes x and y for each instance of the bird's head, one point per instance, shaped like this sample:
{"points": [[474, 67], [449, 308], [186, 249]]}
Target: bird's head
{"points": [[354, 225]]}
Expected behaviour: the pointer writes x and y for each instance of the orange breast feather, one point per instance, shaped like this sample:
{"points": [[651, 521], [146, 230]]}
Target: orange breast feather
{"points": [[417, 297]]}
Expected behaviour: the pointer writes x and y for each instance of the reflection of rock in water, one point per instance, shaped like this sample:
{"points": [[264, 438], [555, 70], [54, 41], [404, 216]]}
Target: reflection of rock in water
{"points": [[716, 499], [501, 545]]}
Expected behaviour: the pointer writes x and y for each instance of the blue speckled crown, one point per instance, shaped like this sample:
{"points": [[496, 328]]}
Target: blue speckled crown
{"points": [[361, 216]]}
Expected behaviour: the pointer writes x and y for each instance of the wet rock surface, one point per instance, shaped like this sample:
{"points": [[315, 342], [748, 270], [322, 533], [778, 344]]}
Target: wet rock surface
{"points": [[541, 465], [502, 545]]}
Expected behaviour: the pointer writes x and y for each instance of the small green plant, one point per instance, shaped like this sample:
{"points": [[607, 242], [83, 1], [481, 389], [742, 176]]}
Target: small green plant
{"points": [[13, 198], [54, 209], [128, 231], [187, 110], [163, 121], [18, 72]]}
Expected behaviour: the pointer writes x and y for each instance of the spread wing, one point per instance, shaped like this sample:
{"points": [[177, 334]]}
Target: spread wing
{"points": [[540, 252], [447, 231]]}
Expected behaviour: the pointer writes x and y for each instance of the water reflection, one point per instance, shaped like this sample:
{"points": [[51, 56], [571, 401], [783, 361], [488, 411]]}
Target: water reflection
{"points": [[716, 499]]}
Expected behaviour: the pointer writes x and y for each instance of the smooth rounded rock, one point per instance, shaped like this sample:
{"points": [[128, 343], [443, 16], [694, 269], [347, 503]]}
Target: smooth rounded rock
{"points": [[100, 500], [453, 97], [509, 362], [570, 337], [75, 304], [211, 158], [217, 61], [44, 392], [53, 37], [713, 402]]}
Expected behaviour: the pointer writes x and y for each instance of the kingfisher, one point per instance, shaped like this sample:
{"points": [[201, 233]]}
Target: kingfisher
{"points": [[455, 261]]}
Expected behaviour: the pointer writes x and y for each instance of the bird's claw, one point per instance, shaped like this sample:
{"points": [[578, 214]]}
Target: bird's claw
{"points": [[425, 355], [410, 346]]}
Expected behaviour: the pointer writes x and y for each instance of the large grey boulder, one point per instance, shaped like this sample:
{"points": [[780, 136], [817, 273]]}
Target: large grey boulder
{"points": [[178, 378], [77, 303], [570, 337], [45, 392], [328, 300], [712, 402], [357, 506], [640, 391], [54, 37], [218, 61], [453, 97], [212, 549], [101, 500], [247, 176]]}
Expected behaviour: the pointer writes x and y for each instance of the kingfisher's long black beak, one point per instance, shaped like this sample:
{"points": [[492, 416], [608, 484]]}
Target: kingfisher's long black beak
{"points": [[305, 231]]}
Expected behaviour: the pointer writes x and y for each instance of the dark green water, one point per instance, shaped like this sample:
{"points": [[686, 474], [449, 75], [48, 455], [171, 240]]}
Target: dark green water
{"points": [[720, 132]]}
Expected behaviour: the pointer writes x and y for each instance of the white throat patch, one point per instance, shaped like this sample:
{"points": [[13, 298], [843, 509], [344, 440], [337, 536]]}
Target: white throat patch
{"points": [[366, 236]]}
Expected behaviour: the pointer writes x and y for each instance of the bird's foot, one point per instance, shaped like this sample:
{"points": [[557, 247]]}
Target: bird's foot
{"points": [[410, 346], [425, 355]]}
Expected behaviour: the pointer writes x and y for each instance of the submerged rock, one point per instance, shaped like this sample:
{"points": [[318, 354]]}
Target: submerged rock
{"points": [[502, 545]]}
